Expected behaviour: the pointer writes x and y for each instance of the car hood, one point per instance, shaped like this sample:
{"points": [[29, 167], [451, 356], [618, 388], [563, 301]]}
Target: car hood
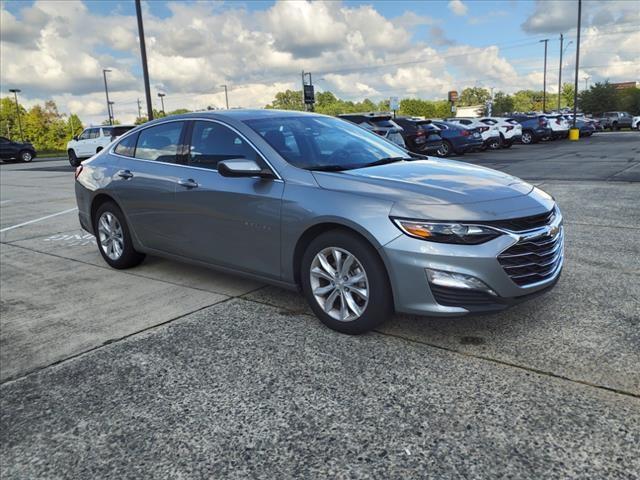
{"points": [[432, 187]]}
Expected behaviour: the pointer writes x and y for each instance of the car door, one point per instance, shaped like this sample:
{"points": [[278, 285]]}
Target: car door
{"points": [[231, 222], [79, 145], [5, 148], [145, 183]]}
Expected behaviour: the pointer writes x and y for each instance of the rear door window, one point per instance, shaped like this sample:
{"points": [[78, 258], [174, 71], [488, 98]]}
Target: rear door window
{"points": [[212, 142], [159, 143]]}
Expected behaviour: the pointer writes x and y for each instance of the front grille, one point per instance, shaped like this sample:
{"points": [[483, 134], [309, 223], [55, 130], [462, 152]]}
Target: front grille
{"points": [[460, 297], [535, 260], [524, 223]]}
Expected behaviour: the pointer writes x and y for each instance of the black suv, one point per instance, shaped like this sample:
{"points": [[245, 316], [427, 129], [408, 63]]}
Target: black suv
{"points": [[16, 150], [420, 136]]}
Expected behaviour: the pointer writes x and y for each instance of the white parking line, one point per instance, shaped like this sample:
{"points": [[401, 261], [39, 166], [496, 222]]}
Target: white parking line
{"points": [[38, 220]]}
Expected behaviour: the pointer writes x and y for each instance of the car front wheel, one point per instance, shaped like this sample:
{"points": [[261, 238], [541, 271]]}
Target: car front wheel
{"points": [[26, 156], [113, 237], [494, 143], [346, 283], [446, 149]]}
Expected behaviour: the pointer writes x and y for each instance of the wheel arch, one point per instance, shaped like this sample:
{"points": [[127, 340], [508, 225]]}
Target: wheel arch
{"points": [[313, 231]]}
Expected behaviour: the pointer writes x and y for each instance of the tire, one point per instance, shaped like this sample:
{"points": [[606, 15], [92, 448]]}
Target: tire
{"points": [[74, 161], [446, 149], [527, 137], [347, 312], [614, 126], [507, 144], [494, 143], [25, 156], [120, 236]]}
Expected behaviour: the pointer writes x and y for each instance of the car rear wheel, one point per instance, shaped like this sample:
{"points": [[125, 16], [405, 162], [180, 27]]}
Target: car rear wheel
{"points": [[113, 237], [26, 156], [446, 149], [527, 137], [346, 283], [73, 158], [494, 143], [615, 126]]}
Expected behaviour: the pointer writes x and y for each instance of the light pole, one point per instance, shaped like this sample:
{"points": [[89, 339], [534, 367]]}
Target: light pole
{"points": [[162, 95], [575, 86], [544, 82], [143, 55], [106, 92], [111, 115], [226, 95], [15, 92], [562, 51]]}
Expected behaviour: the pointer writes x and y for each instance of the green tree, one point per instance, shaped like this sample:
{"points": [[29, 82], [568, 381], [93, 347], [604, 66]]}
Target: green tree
{"points": [[474, 96], [629, 100], [8, 120], [599, 98], [567, 95], [288, 100], [502, 103], [74, 124]]}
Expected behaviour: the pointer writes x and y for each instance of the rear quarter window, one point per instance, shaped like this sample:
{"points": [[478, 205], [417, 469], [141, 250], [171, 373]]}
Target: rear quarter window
{"points": [[127, 147]]}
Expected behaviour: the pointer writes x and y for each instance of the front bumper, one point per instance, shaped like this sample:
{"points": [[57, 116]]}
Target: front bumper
{"points": [[407, 260]]}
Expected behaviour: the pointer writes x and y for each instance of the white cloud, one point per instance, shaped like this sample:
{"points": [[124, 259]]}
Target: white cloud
{"points": [[458, 7]]}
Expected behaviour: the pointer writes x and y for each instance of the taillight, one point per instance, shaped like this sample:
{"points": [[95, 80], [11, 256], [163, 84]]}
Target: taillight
{"points": [[542, 122], [558, 121], [509, 128], [466, 133], [78, 171]]}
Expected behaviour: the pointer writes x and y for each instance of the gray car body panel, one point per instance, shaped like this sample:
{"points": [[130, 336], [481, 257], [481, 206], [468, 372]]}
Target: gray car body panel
{"points": [[252, 225]]}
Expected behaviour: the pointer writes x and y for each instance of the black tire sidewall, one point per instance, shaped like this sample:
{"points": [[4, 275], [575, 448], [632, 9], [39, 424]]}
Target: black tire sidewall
{"points": [[130, 257], [74, 161], [21, 156], [380, 304]]}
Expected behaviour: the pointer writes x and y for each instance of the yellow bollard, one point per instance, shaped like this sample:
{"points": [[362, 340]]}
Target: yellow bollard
{"points": [[574, 134]]}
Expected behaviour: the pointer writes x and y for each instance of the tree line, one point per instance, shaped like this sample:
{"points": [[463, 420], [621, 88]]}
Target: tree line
{"points": [[50, 130]]}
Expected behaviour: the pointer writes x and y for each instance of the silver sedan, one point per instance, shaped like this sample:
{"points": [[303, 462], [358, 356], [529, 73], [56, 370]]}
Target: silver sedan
{"points": [[311, 202]]}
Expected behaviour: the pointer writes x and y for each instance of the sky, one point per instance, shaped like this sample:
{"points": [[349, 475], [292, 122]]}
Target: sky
{"points": [[356, 49]]}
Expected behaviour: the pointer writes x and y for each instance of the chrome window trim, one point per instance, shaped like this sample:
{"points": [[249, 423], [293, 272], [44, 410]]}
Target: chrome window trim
{"points": [[257, 150]]}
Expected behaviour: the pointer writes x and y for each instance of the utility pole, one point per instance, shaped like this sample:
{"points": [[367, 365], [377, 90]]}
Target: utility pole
{"points": [[111, 114], [162, 95], [106, 92], [143, 54], [575, 86], [544, 83], [15, 92], [226, 95], [139, 109], [560, 73]]}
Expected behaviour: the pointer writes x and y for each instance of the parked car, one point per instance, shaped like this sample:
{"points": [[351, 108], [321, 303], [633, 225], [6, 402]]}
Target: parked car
{"points": [[10, 150], [311, 202], [379, 123], [510, 130], [534, 128], [92, 140], [457, 139], [420, 135], [559, 126], [585, 127], [490, 133], [616, 120], [635, 123]]}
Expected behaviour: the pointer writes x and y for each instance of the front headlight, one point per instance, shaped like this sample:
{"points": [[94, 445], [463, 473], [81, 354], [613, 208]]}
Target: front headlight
{"points": [[458, 233]]}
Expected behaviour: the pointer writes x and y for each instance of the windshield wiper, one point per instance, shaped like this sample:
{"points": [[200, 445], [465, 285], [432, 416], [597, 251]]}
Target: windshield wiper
{"points": [[384, 161]]}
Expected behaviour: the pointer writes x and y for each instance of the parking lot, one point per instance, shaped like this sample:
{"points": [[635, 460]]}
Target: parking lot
{"points": [[170, 370]]}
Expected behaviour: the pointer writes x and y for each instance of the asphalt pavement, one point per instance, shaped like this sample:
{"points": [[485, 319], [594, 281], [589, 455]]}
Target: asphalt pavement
{"points": [[174, 371]]}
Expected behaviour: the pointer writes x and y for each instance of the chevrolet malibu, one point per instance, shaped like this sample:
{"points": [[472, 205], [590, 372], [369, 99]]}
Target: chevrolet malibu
{"points": [[311, 202]]}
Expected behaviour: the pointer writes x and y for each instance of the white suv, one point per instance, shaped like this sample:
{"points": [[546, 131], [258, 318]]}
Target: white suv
{"points": [[490, 133], [510, 130], [559, 126], [92, 140]]}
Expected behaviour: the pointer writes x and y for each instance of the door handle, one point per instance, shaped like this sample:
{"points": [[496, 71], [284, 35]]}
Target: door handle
{"points": [[126, 174], [188, 183]]}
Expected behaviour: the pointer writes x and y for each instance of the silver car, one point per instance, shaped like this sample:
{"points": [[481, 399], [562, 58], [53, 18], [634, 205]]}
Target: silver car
{"points": [[311, 202]]}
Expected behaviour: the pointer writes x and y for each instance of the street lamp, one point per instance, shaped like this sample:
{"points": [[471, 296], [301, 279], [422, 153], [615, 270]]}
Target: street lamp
{"points": [[106, 92], [226, 95], [162, 95], [544, 82], [15, 92], [111, 115]]}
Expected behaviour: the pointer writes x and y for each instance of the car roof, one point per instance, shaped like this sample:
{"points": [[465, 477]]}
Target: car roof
{"points": [[238, 114]]}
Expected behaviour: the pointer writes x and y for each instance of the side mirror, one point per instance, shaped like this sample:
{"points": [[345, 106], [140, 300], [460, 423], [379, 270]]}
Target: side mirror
{"points": [[241, 167], [75, 137]]}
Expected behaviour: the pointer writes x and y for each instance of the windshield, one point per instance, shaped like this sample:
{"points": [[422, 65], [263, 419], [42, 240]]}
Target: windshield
{"points": [[324, 142]]}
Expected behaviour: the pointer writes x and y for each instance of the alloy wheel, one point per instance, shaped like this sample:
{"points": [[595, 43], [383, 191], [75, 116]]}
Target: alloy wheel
{"points": [[526, 138], [339, 284], [26, 157], [110, 235], [443, 150]]}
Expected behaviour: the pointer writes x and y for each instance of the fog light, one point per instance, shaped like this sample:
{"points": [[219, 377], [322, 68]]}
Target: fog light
{"points": [[457, 280]]}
